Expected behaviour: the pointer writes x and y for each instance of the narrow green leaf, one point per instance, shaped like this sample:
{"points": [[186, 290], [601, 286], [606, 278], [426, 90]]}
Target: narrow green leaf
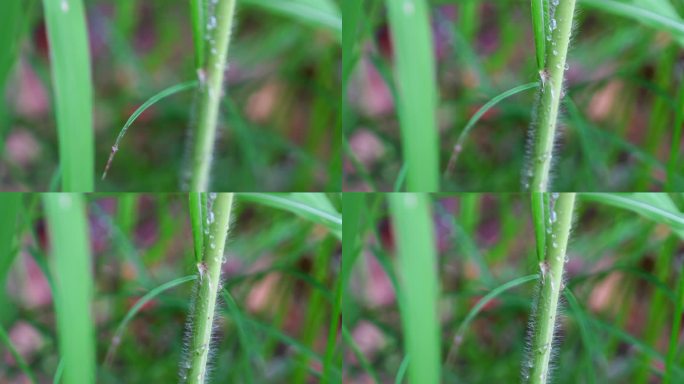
{"points": [[23, 366], [152, 294], [71, 266], [198, 10], [458, 148], [475, 310], [73, 92], [538, 218], [147, 104], [196, 222]]}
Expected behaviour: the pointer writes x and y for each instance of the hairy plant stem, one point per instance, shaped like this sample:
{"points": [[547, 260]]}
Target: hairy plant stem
{"points": [[560, 27], [216, 230], [218, 31], [544, 323]]}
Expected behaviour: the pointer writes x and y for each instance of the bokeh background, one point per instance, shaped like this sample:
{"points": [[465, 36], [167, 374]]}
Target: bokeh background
{"points": [[280, 122], [624, 270], [280, 270], [624, 89]]}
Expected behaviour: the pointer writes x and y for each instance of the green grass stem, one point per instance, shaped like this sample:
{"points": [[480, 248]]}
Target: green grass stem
{"points": [[194, 369], [537, 369], [219, 27], [544, 133]]}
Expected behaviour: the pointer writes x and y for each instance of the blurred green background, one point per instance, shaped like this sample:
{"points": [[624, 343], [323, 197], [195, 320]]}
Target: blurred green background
{"points": [[620, 120], [280, 270], [280, 122], [624, 271]]}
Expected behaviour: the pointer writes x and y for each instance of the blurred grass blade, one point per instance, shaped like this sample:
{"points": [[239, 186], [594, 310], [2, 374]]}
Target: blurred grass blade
{"points": [[670, 363], [658, 14], [323, 13], [71, 264], [316, 200], [198, 17], [352, 12], [476, 117], [538, 217], [196, 209], [11, 15], [401, 178], [116, 340], [417, 100], [539, 30], [330, 219], [73, 92], [356, 350], [58, 372], [19, 359], [147, 104], [401, 372], [654, 206], [10, 206], [415, 242], [353, 206]]}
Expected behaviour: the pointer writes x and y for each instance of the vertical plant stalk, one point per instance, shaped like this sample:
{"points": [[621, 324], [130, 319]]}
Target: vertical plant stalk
{"points": [[414, 234], [561, 13], [417, 97], [70, 250], [216, 227], [73, 93], [219, 20], [536, 369]]}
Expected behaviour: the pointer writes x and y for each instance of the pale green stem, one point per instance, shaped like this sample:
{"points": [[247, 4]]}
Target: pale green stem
{"points": [[219, 27], [217, 222], [551, 94], [560, 220]]}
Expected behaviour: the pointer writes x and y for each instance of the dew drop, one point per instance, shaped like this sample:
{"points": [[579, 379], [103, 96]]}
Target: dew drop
{"points": [[553, 24], [553, 216], [65, 6], [212, 23], [555, 53]]}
